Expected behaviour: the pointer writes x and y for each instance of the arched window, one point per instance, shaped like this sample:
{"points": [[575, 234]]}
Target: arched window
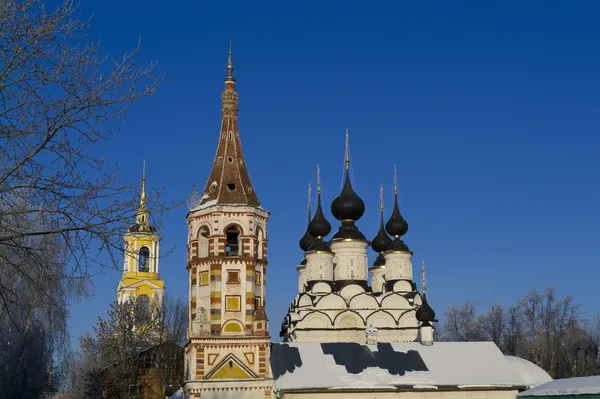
{"points": [[144, 259], [203, 242], [232, 244], [142, 309], [260, 236]]}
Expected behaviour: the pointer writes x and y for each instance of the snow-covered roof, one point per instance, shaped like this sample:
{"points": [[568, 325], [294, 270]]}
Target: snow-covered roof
{"points": [[567, 386], [531, 373], [309, 365]]}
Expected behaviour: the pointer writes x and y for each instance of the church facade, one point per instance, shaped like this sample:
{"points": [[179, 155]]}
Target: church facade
{"points": [[351, 330]]}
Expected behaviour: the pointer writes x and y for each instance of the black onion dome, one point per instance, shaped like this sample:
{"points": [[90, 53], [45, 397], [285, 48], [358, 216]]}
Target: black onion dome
{"points": [[319, 226], [379, 261], [381, 240], [397, 245], [396, 226], [347, 205], [320, 245], [307, 239], [425, 313]]}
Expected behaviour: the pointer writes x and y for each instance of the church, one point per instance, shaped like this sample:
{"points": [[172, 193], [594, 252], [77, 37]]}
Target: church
{"points": [[352, 330]]}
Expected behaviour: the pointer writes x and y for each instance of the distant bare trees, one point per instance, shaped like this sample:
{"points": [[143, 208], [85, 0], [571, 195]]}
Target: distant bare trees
{"points": [[541, 327], [127, 356], [62, 210]]}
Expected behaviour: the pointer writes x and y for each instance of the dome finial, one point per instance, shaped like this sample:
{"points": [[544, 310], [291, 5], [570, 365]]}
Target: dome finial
{"points": [[423, 284], [229, 77], [307, 239], [347, 156], [319, 227], [381, 240], [395, 181], [396, 225], [348, 207], [381, 203], [309, 194], [142, 215], [143, 194], [318, 180]]}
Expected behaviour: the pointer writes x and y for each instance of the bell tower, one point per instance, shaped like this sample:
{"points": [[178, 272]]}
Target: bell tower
{"points": [[228, 341], [141, 279]]}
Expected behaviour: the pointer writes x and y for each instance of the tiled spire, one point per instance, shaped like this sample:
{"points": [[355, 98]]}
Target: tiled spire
{"points": [[229, 182]]}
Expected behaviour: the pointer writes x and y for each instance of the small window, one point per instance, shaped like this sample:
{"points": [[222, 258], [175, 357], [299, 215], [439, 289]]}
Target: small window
{"points": [[230, 159], [142, 309], [231, 186], [232, 244], [258, 279], [203, 278], [257, 302], [144, 256], [232, 303], [233, 277]]}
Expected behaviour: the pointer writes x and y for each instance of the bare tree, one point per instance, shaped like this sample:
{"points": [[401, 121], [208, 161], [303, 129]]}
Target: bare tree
{"points": [[460, 323], [62, 209], [542, 328], [493, 326], [130, 354], [60, 96]]}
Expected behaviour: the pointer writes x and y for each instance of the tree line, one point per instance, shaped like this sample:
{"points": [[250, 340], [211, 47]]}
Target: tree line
{"points": [[63, 209], [541, 327]]}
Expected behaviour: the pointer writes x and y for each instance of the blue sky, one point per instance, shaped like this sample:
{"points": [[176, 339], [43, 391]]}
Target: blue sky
{"points": [[489, 109]]}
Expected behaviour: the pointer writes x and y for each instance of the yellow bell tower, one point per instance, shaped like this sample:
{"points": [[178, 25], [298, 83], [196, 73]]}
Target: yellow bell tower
{"points": [[141, 280]]}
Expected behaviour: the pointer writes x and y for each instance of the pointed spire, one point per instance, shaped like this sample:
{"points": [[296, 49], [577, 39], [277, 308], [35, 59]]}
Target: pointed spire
{"points": [[229, 77], [307, 239], [142, 215], [348, 207], [423, 284], [381, 240], [396, 226], [229, 181], [319, 227], [347, 156], [143, 194]]}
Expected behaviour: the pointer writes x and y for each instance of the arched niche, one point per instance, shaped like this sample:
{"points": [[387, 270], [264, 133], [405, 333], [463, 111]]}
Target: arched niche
{"points": [[232, 327], [260, 239], [316, 320], [203, 233], [142, 309], [233, 240], [351, 290], [332, 301], [381, 319], [144, 259], [408, 319], [364, 301], [348, 319], [395, 301], [305, 301]]}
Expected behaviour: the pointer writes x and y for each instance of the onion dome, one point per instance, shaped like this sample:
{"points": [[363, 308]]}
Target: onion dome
{"points": [[425, 314], [307, 239], [319, 227], [381, 240], [396, 226], [347, 205], [397, 245], [379, 261]]}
